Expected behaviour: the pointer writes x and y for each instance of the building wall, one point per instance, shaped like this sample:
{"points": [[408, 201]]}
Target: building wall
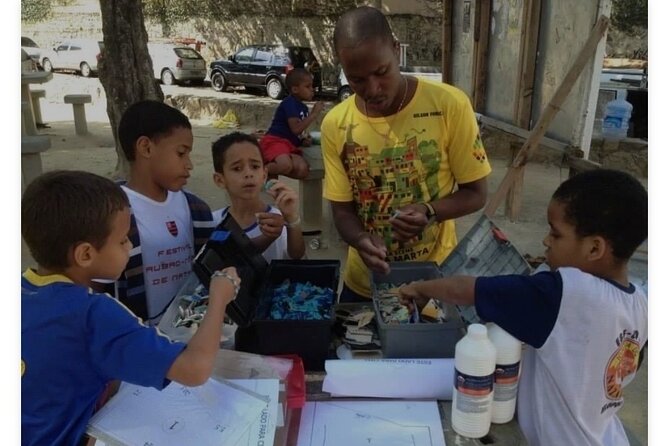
{"points": [[562, 35]]}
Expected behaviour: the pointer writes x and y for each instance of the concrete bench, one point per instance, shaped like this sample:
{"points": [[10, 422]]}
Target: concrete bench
{"points": [[25, 119], [35, 96], [311, 190], [78, 101], [31, 159]]}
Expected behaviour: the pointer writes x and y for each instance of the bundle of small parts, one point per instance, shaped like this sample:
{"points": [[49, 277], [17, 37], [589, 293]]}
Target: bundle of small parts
{"points": [[301, 301], [356, 327], [192, 307], [393, 311]]}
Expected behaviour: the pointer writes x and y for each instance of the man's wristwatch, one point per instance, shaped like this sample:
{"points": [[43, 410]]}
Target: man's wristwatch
{"points": [[430, 213]]}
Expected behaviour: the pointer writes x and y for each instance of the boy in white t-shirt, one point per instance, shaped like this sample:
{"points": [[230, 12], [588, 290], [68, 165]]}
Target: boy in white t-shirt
{"points": [[239, 169], [169, 225], [584, 322]]}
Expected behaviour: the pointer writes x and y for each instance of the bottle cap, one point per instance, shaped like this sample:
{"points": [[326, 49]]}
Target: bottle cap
{"points": [[477, 331]]}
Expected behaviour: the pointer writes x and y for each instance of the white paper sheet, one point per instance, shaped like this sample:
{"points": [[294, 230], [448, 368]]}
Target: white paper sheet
{"points": [[263, 429], [370, 423], [212, 414], [390, 378]]}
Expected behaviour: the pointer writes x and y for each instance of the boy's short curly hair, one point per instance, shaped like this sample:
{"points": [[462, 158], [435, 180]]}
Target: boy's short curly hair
{"points": [[153, 119], [223, 143], [62, 208], [608, 203], [295, 76]]}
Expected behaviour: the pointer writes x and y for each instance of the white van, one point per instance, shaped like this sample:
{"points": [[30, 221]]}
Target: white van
{"points": [[80, 55], [177, 63]]}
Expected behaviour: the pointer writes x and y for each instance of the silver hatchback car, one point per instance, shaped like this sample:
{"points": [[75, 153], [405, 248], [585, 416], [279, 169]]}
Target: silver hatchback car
{"points": [[177, 63]]}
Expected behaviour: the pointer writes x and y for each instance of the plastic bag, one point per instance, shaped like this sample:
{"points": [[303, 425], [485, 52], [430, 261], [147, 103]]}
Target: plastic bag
{"points": [[228, 121]]}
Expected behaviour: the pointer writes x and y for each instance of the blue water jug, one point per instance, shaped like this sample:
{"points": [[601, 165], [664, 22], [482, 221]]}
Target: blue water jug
{"points": [[616, 119]]}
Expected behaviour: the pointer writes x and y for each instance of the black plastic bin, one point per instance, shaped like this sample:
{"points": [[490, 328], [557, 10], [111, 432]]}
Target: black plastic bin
{"points": [[256, 333]]}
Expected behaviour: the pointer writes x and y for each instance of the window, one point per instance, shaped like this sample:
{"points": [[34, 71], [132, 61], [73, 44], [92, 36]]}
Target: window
{"points": [[28, 42], [62, 47], [263, 56], [244, 55], [187, 53]]}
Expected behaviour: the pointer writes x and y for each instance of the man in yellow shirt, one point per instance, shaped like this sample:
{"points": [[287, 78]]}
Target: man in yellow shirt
{"points": [[403, 156]]}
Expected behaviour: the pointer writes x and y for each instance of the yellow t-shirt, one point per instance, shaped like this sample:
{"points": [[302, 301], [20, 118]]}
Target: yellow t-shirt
{"points": [[433, 145]]}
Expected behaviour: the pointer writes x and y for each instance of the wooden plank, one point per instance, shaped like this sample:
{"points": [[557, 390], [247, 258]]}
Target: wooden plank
{"points": [[529, 41], [514, 197], [522, 133], [480, 61], [548, 114], [447, 41]]}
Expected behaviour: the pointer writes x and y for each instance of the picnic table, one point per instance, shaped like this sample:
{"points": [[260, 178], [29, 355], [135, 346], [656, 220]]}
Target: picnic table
{"points": [[27, 78]]}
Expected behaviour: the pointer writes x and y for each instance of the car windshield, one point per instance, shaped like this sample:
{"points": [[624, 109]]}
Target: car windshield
{"points": [[28, 42], [187, 53]]}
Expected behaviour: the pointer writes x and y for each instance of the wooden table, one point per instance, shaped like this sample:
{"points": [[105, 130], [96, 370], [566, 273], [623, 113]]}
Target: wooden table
{"points": [[508, 434], [27, 78]]}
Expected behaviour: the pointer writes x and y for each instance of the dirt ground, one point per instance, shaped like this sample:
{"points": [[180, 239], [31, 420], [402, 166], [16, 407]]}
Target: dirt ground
{"points": [[95, 153]]}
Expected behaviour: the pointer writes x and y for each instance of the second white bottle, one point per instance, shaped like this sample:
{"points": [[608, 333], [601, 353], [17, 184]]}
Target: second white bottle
{"points": [[507, 373]]}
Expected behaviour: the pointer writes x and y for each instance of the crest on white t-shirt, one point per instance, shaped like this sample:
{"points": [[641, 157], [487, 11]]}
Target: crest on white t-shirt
{"points": [[622, 365], [172, 227]]}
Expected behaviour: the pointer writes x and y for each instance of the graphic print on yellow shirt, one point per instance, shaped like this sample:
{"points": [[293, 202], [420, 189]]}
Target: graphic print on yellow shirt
{"points": [[395, 177]]}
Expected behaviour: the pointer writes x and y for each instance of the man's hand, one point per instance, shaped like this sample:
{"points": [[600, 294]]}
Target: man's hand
{"points": [[270, 224], [409, 221], [373, 252]]}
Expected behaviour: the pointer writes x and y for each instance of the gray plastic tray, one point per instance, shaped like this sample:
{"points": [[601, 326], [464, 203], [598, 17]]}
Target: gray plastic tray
{"points": [[418, 340], [483, 251]]}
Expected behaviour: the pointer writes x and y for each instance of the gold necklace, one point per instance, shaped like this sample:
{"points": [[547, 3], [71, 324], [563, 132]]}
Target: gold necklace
{"points": [[386, 136]]}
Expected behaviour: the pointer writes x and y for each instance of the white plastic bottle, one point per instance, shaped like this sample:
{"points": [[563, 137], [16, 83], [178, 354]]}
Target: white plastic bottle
{"points": [[507, 373], [616, 119], [473, 383]]}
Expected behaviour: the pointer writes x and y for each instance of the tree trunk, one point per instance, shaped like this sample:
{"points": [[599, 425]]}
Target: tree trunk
{"points": [[126, 70]]}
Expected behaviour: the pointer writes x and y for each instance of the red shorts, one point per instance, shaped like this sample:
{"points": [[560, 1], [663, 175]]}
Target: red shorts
{"points": [[272, 146]]}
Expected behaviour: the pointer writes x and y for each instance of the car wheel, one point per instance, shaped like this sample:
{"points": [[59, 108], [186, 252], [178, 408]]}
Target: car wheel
{"points": [[274, 88], [46, 64], [218, 81], [344, 93], [85, 69], [167, 77]]}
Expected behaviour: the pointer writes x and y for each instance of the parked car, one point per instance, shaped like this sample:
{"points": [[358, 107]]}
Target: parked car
{"points": [[28, 64], [263, 66], [32, 49], [432, 73], [177, 63], [80, 55]]}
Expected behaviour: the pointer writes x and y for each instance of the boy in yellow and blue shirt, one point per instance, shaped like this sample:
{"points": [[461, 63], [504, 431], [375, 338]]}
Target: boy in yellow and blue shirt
{"points": [[75, 341]]}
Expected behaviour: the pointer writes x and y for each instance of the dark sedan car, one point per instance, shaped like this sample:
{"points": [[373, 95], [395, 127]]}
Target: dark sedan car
{"points": [[263, 67]]}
